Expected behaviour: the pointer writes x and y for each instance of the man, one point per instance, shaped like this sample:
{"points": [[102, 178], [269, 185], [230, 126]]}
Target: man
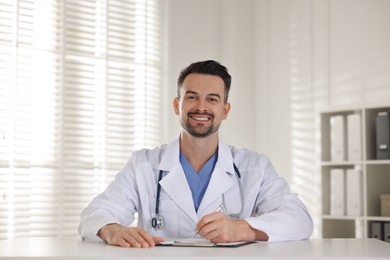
{"points": [[197, 186]]}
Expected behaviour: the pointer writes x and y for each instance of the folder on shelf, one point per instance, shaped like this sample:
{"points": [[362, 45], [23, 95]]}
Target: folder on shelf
{"points": [[337, 138], [383, 136], [337, 192], [354, 137], [354, 192], [376, 230]]}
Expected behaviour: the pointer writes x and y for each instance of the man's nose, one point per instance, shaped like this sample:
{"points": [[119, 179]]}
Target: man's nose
{"points": [[201, 105]]}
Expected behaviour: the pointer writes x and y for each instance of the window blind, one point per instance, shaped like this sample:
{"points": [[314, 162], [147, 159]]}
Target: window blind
{"points": [[80, 86]]}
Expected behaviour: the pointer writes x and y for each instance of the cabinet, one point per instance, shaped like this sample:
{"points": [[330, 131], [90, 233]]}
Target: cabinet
{"points": [[375, 176]]}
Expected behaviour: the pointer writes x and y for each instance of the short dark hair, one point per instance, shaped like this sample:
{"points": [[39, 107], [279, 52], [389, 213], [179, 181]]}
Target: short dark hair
{"points": [[208, 67]]}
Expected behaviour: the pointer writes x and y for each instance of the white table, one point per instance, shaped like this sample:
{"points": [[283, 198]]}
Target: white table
{"points": [[75, 248]]}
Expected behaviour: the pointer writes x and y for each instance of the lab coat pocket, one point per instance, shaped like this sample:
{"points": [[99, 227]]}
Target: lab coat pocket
{"points": [[169, 211]]}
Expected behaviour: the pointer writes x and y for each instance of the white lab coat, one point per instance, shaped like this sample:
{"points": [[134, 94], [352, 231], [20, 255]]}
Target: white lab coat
{"points": [[268, 204]]}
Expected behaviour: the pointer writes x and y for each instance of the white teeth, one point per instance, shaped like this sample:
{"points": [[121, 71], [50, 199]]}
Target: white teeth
{"points": [[201, 118]]}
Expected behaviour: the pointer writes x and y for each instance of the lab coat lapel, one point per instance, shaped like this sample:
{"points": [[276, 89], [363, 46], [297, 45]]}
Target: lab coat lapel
{"points": [[174, 182], [220, 182]]}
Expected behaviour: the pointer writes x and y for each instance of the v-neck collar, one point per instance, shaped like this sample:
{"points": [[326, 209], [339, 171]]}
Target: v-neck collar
{"points": [[198, 182]]}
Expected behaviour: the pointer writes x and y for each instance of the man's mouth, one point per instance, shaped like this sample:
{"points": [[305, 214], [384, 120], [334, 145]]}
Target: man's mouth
{"points": [[200, 117]]}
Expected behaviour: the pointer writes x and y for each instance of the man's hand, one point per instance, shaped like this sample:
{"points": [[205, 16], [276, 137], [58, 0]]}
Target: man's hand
{"points": [[220, 228], [117, 235]]}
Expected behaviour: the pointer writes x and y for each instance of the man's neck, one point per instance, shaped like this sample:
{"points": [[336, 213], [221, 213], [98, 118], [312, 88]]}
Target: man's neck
{"points": [[198, 150]]}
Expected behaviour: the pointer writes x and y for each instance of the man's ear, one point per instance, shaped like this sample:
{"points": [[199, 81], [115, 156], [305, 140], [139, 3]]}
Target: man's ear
{"points": [[226, 110], [176, 105]]}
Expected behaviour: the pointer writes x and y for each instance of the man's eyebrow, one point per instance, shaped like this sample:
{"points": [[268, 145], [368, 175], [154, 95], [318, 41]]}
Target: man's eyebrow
{"points": [[214, 95], [191, 92], [196, 93]]}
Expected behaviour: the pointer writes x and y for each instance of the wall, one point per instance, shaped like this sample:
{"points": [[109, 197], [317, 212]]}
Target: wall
{"points": [[204, 29], [225, 30], [289, 61]]}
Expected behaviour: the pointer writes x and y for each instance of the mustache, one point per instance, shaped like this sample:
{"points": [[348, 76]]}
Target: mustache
{"points": [[200, 114]]}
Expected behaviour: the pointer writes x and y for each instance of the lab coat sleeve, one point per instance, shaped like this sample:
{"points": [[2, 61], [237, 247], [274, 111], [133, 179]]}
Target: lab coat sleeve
{"points": [[117, 204], [280, 213]]}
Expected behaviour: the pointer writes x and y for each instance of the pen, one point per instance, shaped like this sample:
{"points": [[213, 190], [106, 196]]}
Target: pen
{"points": [[219, 209]]}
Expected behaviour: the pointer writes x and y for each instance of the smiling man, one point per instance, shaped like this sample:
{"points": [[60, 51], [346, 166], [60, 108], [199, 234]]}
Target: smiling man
{"points": [[197, 185], [203, 97]]}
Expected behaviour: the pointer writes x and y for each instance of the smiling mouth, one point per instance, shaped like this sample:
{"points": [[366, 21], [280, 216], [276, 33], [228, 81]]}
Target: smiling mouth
{"points": [[200, 118]]}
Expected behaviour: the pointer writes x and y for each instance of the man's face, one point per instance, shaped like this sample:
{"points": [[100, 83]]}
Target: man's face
{"points": [[201, 106]]}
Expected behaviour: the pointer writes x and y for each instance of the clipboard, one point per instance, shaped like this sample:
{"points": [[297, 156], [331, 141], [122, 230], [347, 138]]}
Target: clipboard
{"points": [[202, 243]]}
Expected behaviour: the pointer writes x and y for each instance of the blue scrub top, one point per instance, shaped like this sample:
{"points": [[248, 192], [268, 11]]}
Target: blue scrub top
{"points": [[198, 182]]}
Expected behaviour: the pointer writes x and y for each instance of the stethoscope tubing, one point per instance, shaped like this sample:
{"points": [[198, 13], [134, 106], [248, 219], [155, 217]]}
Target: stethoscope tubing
{"points": [[158, 192]]}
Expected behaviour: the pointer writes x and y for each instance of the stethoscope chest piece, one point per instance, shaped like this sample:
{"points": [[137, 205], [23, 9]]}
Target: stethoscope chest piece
{"points": [[157, 222]]}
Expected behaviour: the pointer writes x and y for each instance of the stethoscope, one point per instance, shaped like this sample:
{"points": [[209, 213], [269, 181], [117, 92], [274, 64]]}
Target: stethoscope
{"points": [[158, 221]]}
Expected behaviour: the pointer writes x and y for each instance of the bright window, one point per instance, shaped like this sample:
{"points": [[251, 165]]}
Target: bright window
{"points": [[80, 86]]}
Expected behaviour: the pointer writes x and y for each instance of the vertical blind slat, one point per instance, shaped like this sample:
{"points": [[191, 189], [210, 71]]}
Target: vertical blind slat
{"points": [[80, 84]]}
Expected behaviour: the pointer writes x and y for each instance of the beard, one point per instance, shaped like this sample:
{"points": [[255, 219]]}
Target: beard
{"points": [[199, 130]]}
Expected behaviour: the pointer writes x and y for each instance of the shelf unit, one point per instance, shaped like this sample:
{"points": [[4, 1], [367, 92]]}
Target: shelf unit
{"points": [[375, 176]]}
